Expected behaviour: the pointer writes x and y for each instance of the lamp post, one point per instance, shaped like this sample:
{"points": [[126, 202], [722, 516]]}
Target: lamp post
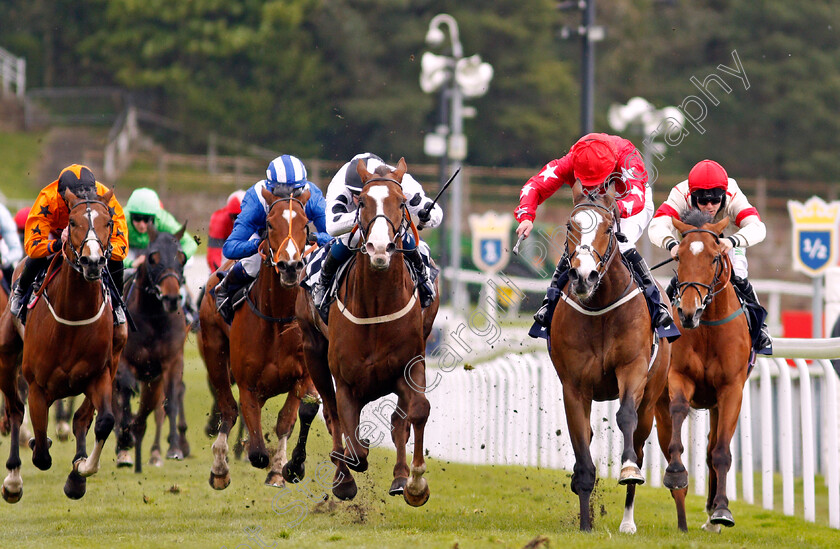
{"points": [[455, 77]]}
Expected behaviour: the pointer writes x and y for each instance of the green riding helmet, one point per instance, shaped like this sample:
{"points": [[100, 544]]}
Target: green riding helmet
{"points": [[143, 201]]}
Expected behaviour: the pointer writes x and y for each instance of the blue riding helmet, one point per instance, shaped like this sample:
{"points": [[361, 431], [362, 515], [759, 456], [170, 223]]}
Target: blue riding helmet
{"points": [[286, 175]]}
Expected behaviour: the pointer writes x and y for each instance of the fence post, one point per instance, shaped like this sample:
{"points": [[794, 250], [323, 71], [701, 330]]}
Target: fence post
{"points": [[807, 440], [746, 445], [785, 436], [832, 463], [766, 434]]}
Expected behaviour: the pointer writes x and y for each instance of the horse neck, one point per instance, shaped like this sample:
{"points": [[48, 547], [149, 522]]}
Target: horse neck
{"points": [[274, 299], [371, 290]]}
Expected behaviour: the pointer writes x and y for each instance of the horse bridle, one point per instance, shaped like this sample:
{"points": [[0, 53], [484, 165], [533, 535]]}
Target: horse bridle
{"points": [[157, 278], [399, 232], [273, 256], [603, 260], [710, 288], [75, 261]]}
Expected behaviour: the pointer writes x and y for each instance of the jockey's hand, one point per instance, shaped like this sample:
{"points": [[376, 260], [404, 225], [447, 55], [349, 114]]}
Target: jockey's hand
{"points": [[525, 228], [725, 245], [64, 234], [425, 214], [674, 251], [139, 260]]}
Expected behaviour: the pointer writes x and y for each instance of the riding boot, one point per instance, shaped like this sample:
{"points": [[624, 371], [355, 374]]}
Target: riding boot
{"points": [[747, 294], [117, 271], [329, 267], [661, 314], [424, 283], [31, 268], [671, 290], [560, 272], [226, 289]]}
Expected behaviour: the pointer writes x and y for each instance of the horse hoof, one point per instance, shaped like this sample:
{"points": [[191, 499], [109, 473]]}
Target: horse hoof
{"points": [[417, 499], [11, 497], [76, 486], [631, 474], [258, 459], [722, 517], [219, 482], [275, 479], [175, 453], [42, 463], [398, 486], [32, 443], [345, 490], [627, 528], [124, 459], [210, 430], [676, 480], [185, 448], [293, 473], [360, 465]]}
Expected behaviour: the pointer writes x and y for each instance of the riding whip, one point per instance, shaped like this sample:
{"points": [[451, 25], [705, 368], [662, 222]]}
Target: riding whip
{"points": [[516, 246], [661, 263]]}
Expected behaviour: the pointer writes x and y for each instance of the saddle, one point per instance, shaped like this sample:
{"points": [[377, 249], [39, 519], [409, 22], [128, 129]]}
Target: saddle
{"points": [[239, 296]]}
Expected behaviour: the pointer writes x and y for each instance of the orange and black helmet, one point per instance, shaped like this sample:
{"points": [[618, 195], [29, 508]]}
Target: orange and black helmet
{"points": [[78, 179]]}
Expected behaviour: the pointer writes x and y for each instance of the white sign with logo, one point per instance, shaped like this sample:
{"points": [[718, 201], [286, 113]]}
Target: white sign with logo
{"points": [[814, 234], [491, 240]]}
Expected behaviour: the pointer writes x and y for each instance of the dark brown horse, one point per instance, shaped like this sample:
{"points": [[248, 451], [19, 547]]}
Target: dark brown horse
{"points": [[70, 347], [154, 353], [709, 363], [603, 348], [264, 350], [377, 336]]}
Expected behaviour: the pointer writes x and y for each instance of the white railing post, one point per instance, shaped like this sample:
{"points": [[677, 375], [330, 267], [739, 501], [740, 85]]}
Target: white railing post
{"points": [[746, 445], [808, 460], [833, 461], [785, 436], [766, 434], [699, 420]]}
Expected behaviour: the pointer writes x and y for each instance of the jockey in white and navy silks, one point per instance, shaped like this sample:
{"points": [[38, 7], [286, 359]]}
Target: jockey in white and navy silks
{"points": [[342, 203], [11, 250], [284, 172]]}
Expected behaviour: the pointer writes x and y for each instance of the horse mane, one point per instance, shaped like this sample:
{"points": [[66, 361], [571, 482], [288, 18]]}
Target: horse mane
{"points": [[696, 217], [382, 169]]}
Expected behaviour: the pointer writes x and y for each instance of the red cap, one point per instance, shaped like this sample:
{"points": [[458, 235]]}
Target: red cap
{"points": [[593, 161], [234, 202], [20, 218], [707, 174]]}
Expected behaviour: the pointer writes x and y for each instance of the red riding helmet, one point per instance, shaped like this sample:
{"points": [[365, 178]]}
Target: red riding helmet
{"points": [[593, 161], [234, 202], [707, 174], [20, 218]]}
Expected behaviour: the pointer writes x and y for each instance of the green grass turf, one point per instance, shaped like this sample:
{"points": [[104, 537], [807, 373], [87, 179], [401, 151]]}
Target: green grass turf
{"points": [[471, 506], [19, 156]]}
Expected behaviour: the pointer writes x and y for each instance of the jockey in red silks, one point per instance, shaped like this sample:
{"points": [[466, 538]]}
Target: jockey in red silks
{"points": [[710, 189], [598, 160], [221, 225]]}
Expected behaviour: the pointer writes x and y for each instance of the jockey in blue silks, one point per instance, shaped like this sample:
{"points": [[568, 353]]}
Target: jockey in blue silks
{"points": [[285, 175]]}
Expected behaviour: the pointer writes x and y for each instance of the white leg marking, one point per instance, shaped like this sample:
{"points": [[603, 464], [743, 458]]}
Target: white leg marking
{"points": [[13, 482], [89, 466], [220, 450], [628, 525]]}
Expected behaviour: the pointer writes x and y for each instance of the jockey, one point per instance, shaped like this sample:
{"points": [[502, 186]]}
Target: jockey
{"points": [[284, 174], [342, 203], [20, 222], [10, 249], [144, 210], [221, 225], [50, 214], [710, 189], [597, 160]]}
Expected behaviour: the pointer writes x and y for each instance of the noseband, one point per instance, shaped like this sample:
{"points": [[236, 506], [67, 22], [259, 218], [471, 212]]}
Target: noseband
{"points": [[603, 260], [75, 261], [710, 288], [399, 232], [154, 280]]}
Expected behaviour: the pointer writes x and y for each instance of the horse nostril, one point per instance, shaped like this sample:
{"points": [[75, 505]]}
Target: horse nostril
{"points": [[369, 248], [573, 274], [593, 276], [390, 248], [298, 266]]}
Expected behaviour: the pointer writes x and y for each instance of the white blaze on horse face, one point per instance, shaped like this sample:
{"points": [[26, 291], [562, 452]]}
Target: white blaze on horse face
{"points": [[587, 222], [696, 247], [378, 235], [91, 241]]}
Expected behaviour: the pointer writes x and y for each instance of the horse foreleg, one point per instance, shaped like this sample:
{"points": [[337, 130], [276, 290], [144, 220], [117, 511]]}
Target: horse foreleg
{"points": [[711, 442], [76, 484], [627, 419], [294, 470], [728, 408], [151, 396], [173, 378], [62, 419], [349, 415], [155, 457], [100, 397], [416, 491], [12, 489], [286, 419], [343, 485], [122, 409], [680, 392], [182, 419], [664, 428], [580, 432], [252, 414], [39, 413], [399, 434]]}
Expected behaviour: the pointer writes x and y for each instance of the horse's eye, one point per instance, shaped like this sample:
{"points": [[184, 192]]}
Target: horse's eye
{"points": [[72, 223], [361, 203], [269, 226]]}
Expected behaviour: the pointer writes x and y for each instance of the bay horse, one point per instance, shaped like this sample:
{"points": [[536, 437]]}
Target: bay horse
{"points": [[603, 348], [154, 353], [262, 351], [709, 363], [377, 335], [69, 348]]}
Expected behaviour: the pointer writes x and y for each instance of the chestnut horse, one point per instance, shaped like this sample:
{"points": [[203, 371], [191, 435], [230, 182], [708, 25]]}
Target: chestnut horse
{"points": [[70, 347], [377, 335], [603, 348], [154, 353], [264, 349], [709, 363]]}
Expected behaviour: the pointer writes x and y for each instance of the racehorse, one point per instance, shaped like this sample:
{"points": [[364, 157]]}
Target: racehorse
{"points": [[70, 347], [709, 363], [264, 350], [154, 353], [377, 333], [603, 347]]}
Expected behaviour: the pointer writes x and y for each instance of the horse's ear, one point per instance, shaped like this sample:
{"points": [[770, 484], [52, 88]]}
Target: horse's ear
{"points": [[180, 234], [106, 198], [305, 196], [680, 226], [718, 227], [153, 232], [361, 169], [401, 169], [577, 192], [268, 195], [70, 198], [611, 191]]}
